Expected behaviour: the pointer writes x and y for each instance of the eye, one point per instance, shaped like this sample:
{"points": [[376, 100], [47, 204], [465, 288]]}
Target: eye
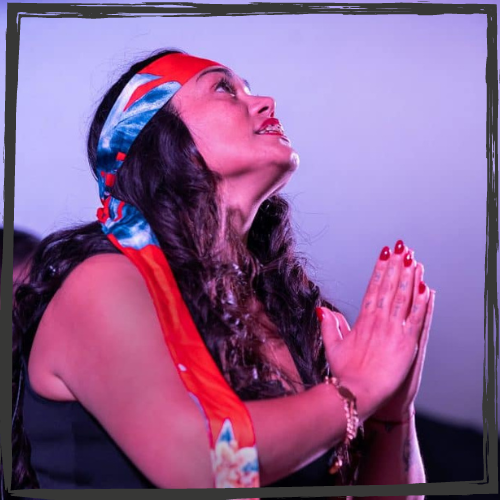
{"points": [[225, 84]]}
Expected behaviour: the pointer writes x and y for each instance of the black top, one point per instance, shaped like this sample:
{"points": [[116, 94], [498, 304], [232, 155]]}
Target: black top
{"points": [[71, 450]]}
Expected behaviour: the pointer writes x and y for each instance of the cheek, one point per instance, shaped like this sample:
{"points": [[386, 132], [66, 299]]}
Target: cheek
{"points": [[206, 131], [222, 146], [225, 157]]}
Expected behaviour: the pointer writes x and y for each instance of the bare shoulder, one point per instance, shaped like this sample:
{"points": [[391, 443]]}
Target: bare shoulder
{"points": [[102, 303], [100, 287], [100, 274]]}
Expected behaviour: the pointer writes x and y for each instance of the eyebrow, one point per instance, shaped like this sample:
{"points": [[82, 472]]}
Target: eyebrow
{"points": [[227, 72]]}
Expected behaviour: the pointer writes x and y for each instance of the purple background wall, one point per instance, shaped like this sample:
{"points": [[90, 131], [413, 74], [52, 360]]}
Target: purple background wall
{"points": [[387, 113]]}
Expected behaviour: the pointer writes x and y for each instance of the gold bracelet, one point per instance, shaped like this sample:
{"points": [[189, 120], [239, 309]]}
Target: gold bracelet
{"points": [[351, 412]]}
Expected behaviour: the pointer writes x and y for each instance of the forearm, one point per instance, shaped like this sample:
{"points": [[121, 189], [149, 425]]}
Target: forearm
{"points": [[392, 456], [292, 431]]}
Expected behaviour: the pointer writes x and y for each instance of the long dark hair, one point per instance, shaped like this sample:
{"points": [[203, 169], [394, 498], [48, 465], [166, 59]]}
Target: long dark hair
{"points": [[167, 179]]}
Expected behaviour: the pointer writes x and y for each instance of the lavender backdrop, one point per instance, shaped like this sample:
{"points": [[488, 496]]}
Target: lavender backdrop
{"points": [[388, 114]]}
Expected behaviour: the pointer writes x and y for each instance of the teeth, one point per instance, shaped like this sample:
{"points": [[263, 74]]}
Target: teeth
{"points": [[271, 128]]}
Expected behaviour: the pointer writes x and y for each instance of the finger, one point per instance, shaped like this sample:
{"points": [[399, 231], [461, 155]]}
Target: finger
{"points": [[369, 300], [390, 281], [422, 343], [428, 317], [415, 321], [419, 276], [330, 326], [405, 293], [344, 325]]}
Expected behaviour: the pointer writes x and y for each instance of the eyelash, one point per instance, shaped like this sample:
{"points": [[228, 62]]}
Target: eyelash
{"points": [[224, 82]]}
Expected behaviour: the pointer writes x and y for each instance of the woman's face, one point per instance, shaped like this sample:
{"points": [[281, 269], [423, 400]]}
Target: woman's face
{"points": [[226, 123]]}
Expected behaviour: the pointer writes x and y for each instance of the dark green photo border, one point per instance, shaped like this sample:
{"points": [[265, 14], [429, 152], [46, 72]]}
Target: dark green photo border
{"points": [[17, 11]]}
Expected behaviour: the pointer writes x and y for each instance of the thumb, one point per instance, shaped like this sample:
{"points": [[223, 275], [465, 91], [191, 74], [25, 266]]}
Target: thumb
{"points": [[330, 326], [344, 325]]}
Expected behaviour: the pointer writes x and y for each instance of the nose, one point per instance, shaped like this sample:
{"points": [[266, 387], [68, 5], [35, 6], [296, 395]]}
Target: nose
{"points": [[263, 105]]}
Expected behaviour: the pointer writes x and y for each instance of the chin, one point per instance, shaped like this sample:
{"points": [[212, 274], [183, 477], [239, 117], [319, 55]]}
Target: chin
{"points": [[284, 155], [285, 174], [290, 163], [290, 156], [294, 161]]}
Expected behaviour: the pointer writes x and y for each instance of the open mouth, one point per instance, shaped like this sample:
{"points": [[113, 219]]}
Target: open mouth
{"points": [[272, 126]]}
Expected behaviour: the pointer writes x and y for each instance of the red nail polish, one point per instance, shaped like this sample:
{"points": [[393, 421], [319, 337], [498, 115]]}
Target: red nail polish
{"points": [[320, 314], [385, 253], [408, 260], [399, 247], [421, 287]]}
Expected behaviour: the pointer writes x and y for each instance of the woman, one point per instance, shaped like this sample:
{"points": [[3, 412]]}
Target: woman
{"points": [[124, 375]]}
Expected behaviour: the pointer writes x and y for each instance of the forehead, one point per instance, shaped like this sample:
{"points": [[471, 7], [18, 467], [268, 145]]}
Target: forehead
{"points": [[194, 91]]}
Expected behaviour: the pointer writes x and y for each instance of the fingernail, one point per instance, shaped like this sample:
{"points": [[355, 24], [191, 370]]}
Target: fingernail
{"points": [[385, 253], [399, 247], [421, 287], [408, 259], [320, 314]]}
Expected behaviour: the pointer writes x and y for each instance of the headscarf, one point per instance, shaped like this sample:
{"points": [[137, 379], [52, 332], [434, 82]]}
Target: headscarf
{"points": [[229, 426]]}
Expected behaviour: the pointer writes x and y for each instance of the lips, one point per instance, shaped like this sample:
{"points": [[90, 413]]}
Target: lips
{"points": [[271, 126]]}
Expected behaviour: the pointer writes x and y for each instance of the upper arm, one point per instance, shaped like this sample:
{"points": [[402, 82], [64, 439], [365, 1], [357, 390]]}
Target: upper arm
{"points": [[116, 363]]}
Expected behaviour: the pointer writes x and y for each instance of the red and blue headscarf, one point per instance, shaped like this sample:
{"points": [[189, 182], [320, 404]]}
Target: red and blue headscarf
{"points": [[229, 427]]}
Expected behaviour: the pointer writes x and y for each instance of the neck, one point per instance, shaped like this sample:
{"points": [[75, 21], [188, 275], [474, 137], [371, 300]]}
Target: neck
{"points": [[240, 220], [241, 211]]}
